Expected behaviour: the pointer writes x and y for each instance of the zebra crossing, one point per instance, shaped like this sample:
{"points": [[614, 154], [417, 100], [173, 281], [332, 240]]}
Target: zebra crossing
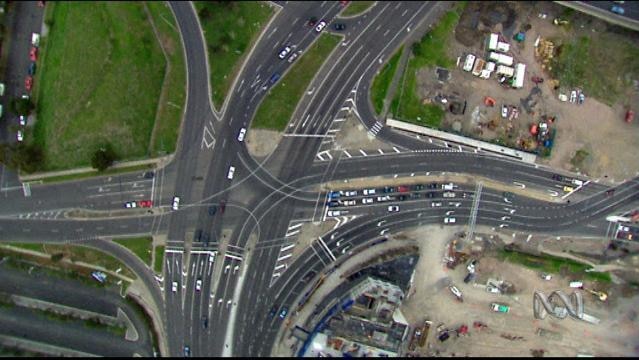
{"points": [[42, 215], [328, 155], [376, 128]]}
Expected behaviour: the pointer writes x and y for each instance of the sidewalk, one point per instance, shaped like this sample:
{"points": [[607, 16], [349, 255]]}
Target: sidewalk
{"points": [[158, 162]]}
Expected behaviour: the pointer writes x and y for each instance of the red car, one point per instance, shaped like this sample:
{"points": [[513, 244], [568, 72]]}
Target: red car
{"points": [[629, 116], [33, 53], [145, 203], [28, 82], [403, 189]]}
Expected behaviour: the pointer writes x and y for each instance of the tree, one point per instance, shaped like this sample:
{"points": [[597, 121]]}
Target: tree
{"points": [[103, 157], [20, 106], [28, 158]]}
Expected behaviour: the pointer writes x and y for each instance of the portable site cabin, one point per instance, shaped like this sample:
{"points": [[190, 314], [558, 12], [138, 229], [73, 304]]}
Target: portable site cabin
{"points": [[500, 58], [503, 47], [490, 67], [468, 64], [505, 70], [520, 71], [495, 44]]}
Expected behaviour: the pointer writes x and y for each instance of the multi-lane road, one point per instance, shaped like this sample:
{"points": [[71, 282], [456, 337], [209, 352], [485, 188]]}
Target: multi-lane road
{"points": [[225, 239]]}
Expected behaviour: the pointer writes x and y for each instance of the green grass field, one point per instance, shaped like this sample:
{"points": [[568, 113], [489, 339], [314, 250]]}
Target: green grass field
{"points": [[382, 81], [173, 96], [229, 29], [603, 65], [139, 246], [100, 79], [429, 52], [554, 265], [159, 259], [356, 7], [279, 104]]}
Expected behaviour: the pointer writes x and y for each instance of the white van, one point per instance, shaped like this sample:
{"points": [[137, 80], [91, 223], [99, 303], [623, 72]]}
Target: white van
{"points": [[35, 39], [468, 64], [231, 173]]}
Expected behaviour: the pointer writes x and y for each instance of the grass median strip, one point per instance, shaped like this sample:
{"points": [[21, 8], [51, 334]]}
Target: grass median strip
{"points": [[229, 28], [428, 52], [173, 97], [382, 81], [279, 104], [101, 78], [356, 7], [159, 259], [139, 246]]}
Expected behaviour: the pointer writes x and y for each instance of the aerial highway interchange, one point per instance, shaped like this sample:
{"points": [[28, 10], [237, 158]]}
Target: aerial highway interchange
{"points": [[220, 239]]}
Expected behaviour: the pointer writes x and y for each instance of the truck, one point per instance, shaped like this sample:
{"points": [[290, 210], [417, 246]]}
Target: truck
{"points": [[479, 66]]}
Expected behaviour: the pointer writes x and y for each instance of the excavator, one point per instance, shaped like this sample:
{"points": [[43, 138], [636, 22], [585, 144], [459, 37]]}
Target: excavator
{"points": [[599, 294]]}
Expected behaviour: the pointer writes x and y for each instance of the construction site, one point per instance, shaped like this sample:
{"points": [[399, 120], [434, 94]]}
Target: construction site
{"points": [[504, 89]]}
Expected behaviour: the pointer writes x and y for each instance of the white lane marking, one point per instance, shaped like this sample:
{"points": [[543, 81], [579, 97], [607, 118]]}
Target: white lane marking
{"points": [[293, 227], [284, 257], [347, 154], [287, 247], [396, 149], [380, 151], [363, 153], [292, 233]]}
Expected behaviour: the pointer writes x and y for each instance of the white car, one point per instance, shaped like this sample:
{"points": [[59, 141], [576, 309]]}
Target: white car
{"points": [[367, 200], [492, 289], [435, 204], [455, 291], [130, 204], [504, 111], [455, 204], [334, 213], [20, 135], [573, 96], [176, 202], [348, 193], [211, 258], [449, 194], [383, 198], [393, 208], [348, 202], [449, 220], [198, 285], [284, 52], [293, 56], [23, 120], [230, 173], [240, 136], [174, 286], [505, 218], [320, 26], [369, 192], [451, 212]]}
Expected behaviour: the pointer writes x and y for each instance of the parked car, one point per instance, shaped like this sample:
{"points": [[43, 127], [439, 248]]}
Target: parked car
{"points": [[573, 96], [32, 68], [22, 120], [348, 202], [383, 198], [339, 26], [402, 197], [333, 204], [174, 286], [545, 276], [369, 191], [320, 26], [187, 351], [435, 204], [198, 285], [617, 9], [33, 53], [504, 111], [557, 177], [367, 201], [273, 311], [348, 193], [176, 202], [403, 189], [393, 208], [35, 39], [568, 189], [496, 307], [283, 312], [334, 213], [28, 83], [449, 220], [456, 292], [432, 186], [581, 98], [418, 187], [293, 56], [130, 204], [389, 189]]}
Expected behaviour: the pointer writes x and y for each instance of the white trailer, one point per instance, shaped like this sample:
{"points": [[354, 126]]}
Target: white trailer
{"points": [[505, 70], [501, 58], [468, 64], [520, 71]]}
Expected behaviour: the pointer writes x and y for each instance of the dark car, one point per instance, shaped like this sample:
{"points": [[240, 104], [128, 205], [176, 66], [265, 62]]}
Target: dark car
{"points": [[149, 175], [402, 197], [274, 78], [32, 69], [557, 177], [205, 322], [309, 275], [339, 26], [205, 239], [212, 210], [610, 192], [273, 311], [418, 187], [312, 21], [430, 195], [469, 277], [432, 186], [389, 189], [333, 204], [415, 195], [222, 206], [187, 351], [198, 235]]}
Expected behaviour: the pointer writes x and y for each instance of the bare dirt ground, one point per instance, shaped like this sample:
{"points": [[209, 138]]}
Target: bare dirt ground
{"points": [[616, 335], [261, 143], [594, 126], [353, 135]]}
